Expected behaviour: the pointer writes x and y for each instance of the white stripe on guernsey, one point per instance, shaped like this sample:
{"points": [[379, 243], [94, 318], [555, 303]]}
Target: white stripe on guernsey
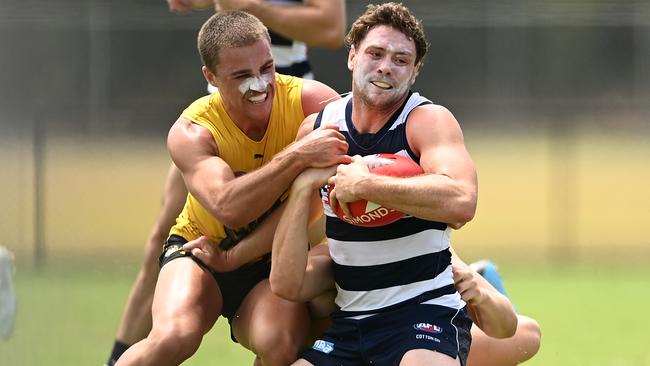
{"points": [[377, 299], [453, 301], [285, 56], [334, 113], [368, 253], [450, 301]]}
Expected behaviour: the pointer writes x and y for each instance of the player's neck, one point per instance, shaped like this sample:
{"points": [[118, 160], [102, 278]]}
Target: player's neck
{"points": [[368, 118], [254, 128], [254, 131]]}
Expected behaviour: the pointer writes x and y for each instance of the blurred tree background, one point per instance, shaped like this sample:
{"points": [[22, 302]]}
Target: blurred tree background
{"points": [[553, 97]]}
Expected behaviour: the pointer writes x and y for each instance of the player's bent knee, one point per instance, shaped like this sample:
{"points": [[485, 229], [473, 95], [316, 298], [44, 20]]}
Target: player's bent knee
{"points": [[533, 336], [175, 344], [530, 325], [278, 349]]}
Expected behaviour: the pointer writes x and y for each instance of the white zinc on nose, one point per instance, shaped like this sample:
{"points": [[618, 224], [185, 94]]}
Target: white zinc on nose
{"points": [[254, 83]]}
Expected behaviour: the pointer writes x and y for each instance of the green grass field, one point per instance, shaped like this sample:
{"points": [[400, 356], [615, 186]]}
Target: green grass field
{"points": [[590, 315], [539, 203]]}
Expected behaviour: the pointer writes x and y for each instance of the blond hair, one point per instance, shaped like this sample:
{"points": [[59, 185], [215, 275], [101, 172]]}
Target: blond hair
{"points": [[228, 29]]}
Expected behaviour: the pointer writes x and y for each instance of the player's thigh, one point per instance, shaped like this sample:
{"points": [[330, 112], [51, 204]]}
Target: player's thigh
{"points": [[186, 296], [425, 357], [264, 317]]}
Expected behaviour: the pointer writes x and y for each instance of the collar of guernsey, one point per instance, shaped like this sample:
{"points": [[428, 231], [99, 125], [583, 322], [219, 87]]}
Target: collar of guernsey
{"points": [[240, 152]]}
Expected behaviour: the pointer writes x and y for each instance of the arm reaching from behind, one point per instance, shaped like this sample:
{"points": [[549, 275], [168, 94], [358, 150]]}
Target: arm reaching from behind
{"points": [[254, 246], [295, 275], [236, 201], [317, 23], [489, 309]]}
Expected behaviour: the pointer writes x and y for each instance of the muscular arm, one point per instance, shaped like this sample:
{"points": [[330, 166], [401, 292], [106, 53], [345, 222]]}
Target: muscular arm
{"points": [[233, 201], [488, 308], [238, 201], [318, 23], [298, 274], [252, 247], [447, 191], [315, 96]]}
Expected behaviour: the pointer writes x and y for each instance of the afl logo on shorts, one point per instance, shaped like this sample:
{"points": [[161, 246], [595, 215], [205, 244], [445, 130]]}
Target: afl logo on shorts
{"points": [[431, 328]]}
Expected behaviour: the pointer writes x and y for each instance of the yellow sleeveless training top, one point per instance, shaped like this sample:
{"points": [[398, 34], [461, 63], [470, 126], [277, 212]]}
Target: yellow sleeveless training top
{"points": [[240, 152]]}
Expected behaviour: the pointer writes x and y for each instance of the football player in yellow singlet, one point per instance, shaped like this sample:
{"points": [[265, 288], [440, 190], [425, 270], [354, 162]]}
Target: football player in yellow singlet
{"points": [[235, 151], [310, 23]]}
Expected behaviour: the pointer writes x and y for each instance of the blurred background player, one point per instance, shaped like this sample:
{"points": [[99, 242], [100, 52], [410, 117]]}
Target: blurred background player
{"points": [[293, 25], [7, 294]]}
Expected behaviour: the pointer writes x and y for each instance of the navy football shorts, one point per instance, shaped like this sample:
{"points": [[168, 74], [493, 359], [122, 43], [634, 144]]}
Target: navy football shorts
{"points": [[383, 339]]}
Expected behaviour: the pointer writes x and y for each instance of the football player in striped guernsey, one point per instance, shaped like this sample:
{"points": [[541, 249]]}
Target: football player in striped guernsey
{"points": [[396, 295]]}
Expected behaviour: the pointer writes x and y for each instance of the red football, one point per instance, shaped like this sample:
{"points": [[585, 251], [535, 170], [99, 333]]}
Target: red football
{"points": [[370, 214]]}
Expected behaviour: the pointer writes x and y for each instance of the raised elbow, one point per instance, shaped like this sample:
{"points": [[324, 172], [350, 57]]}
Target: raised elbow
{"points": [[333, 41], [465, 209], [228, 214], [330, 37], [530, 334], [231, 219]]}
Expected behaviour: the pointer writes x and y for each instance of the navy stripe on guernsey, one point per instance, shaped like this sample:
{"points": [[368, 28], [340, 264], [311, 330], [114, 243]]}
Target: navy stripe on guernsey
{"points": [[378, 268], [298, 69], [403, 272], [279, 40], [341, 230], [389, 139]]}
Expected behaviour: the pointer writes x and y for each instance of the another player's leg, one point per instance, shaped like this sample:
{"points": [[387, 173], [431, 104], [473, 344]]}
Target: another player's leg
{"points": [[425, 357], [273, 328], [135, 323], [7, 294], [488, 351], [136, 318], [186, 304]]}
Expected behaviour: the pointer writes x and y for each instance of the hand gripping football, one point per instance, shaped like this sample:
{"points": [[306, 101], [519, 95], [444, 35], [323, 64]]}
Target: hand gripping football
{"points": [[370, 214]]}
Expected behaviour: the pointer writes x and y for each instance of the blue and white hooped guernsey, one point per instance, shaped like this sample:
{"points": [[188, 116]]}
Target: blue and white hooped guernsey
{"points": [[379, 268]]}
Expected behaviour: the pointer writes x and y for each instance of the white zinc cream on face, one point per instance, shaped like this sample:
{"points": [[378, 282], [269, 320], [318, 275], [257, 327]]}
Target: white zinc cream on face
{"points": [[255, 83]]}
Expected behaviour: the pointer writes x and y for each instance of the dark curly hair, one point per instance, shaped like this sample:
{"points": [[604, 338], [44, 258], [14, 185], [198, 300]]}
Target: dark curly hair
{"points": [[393, 15]]}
